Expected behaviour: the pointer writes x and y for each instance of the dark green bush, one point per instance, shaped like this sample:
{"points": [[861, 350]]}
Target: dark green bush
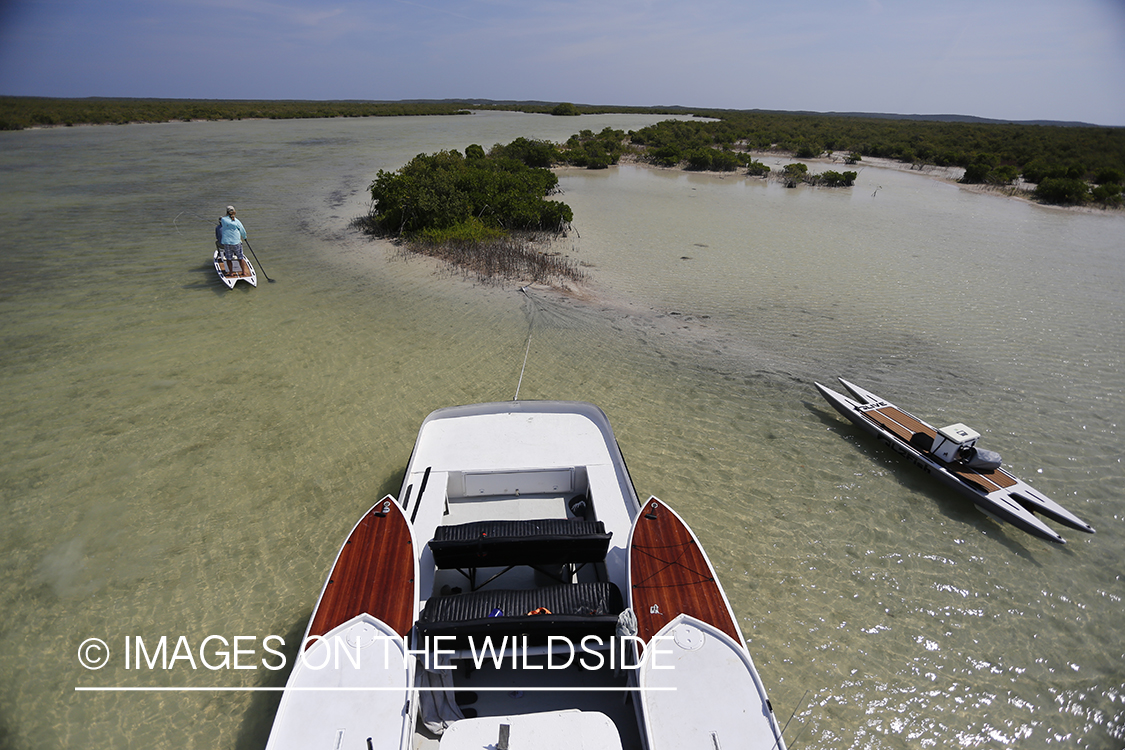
{"points": [[594, 151], [807, 150], [665, 156], [724, 160], [1108, 194], [1107, 176], [1064, 191], [1005, 174], [445, 194], [836, 179], [976, 174], [533, 153], [757, 169], [700, 159]]}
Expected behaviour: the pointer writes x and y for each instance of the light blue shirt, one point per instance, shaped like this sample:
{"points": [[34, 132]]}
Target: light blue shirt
{"points": [[233, 233]]}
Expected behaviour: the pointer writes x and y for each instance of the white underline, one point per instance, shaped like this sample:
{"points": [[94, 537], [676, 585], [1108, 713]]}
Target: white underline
{"points": [[135, 689]]}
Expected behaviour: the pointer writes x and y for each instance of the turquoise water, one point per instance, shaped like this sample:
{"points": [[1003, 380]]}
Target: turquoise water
{"points": [[184, 460]]}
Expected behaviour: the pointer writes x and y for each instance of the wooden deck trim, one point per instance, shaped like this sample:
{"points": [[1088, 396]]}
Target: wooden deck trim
{"points": [[670, 575], [989, 481], [904, 426], [908, 421], [374, 574], [890, 422]]}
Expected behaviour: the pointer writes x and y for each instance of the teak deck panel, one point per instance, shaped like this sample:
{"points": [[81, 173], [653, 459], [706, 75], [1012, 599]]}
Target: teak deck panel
{"points": [[901, 424], [373, 574], [909, 422], [242, 273], [669, 575], [990, 481], [904, 426]]}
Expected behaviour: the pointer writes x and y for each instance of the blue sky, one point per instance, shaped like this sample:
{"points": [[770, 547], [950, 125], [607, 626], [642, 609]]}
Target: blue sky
{"points": [[1005, 59]]}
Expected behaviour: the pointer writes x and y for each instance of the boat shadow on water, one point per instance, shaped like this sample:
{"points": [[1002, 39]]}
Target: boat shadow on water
{"points": [[258, 719], [952, 506]]}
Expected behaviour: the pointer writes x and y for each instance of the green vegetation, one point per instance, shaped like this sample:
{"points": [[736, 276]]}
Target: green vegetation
{"points": [[1067, 164], [798, 172], [836, 179], [482, 213], [465, 209], [19, 112], [990, 153], [757, 169], [1063, 191], [566, 109], [448, 195], [593, 151]]}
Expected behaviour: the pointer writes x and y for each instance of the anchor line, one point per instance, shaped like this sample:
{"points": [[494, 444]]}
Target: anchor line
{"points": [[527, 351]]}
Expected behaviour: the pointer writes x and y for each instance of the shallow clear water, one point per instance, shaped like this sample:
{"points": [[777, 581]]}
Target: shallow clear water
{"points": [[180, 459]]}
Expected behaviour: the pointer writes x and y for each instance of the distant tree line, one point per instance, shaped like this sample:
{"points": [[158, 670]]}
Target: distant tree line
{"points": [[1069, 165], [20, 112]]}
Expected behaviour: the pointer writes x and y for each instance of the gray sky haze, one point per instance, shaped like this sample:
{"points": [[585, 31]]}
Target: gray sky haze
{"points": [[1003, 59]]}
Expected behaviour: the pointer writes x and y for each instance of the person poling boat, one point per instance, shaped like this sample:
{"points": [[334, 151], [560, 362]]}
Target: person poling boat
{"points": [[230, 261], [231, 234]]}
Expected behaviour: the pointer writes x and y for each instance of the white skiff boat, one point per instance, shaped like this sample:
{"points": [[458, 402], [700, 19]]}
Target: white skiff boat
{"points": [[231, 273], [549, 607], [950, 455]]}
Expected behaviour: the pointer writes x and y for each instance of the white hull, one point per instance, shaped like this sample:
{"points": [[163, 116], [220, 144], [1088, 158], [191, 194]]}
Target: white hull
{"points": [[528, 511], [241, 271]]}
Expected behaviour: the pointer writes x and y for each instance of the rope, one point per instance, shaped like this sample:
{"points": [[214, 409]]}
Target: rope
{"points": [[530, 326]]}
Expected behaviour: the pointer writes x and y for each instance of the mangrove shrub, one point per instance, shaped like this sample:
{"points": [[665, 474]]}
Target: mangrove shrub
{"points": [[1064, 191], [832, 178], [585, 149], [443, 196]]}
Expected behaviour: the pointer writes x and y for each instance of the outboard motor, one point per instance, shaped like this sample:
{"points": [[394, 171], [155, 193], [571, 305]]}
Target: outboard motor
{"points": [[957, 444], [983, 460]]}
